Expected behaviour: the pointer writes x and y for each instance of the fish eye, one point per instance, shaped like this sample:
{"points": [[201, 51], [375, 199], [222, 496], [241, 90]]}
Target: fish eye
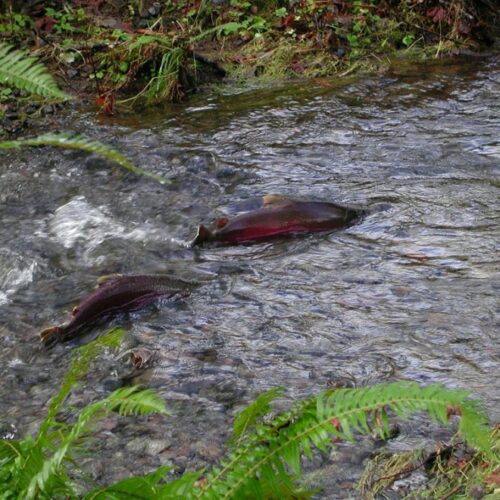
{"points": [[221, 222]]}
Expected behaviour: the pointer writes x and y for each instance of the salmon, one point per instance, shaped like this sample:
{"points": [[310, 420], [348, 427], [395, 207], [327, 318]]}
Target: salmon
{"points": [[278, 216], [114, 295]]}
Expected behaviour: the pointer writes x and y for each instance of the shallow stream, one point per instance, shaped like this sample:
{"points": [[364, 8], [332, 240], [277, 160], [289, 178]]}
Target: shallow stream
{"points": [[410, 292]]}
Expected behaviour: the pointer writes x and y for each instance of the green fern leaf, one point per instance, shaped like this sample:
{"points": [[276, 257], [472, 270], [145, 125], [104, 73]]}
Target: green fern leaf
{"points": [[65, 140], [9, 451], [263, 453], [82, 359], [131, 401], [247, 418], [144, 487], [127, 400], [26, 73]]}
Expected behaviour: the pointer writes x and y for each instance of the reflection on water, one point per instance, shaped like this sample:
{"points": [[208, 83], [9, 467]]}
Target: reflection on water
{"points": [[411, 292]]}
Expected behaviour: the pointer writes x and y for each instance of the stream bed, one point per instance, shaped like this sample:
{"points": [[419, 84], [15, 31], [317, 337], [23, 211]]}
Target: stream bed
{"points": [[410, 292]]}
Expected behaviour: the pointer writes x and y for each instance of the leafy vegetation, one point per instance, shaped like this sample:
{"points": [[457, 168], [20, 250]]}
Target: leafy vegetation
{"points": [[35, 79], [150, 52], [264, 459], [39, 466], [68, 141], [26, 73], [269, 457], [454, 470]]}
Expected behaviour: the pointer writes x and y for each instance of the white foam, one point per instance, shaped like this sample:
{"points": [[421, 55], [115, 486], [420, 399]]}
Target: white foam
{"points": [[16, 272]]}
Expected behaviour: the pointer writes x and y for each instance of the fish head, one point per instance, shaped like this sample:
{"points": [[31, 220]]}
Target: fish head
{"points": [[202, 235]]}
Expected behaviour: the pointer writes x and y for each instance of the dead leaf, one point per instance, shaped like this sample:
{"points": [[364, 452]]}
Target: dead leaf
{"points": [[297, 67], [45, 23], [437, 14], [106, 103], [494, 478], [463, 28]]}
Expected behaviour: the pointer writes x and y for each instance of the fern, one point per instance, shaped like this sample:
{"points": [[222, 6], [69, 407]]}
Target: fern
{"points": [[271, 454], [65, 140], [82, 359], [127, 401], [246, 419], [32, 467], [26, 73], [147, 487]]}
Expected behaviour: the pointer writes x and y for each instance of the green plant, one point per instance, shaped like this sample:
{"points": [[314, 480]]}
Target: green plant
{"points": [[268, 459], [14, 23], [67, 19], [408, 39], [264, 460], [26, 73], [69, 141], [163, 84], [37, 467], [454, 470]]}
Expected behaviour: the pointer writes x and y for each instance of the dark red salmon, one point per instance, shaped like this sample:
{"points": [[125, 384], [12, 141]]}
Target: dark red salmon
{"points": [[278, 216], [115, 295]]}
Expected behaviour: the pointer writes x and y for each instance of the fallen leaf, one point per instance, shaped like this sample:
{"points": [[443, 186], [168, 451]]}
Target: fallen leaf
{"points": [[106, 103], [463, 28], [437, 14], [493, 478], [45, 23], [297, 67]]}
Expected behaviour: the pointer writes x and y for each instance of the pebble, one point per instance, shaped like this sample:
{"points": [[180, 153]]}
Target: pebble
{"points": [[225, 172], [154, 447], [31, 109], [155, 9]]}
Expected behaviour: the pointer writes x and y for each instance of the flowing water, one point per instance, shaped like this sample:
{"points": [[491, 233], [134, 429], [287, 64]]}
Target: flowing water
{"points": [[410, 292]]}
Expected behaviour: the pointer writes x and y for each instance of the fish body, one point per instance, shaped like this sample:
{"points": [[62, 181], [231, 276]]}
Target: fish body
{"points": [[115, 295], [278, 216]]}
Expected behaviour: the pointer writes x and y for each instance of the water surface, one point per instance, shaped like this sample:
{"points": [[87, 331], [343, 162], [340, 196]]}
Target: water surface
{"points": [[411, 292]]}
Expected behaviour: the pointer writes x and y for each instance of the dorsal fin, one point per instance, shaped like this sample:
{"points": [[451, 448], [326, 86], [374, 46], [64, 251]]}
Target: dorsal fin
{"points": [[271, 200], [107, 277]]}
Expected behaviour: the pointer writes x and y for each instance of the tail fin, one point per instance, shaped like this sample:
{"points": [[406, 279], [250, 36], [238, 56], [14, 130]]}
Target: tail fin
{"points": [[203, 234], [51, 335]]}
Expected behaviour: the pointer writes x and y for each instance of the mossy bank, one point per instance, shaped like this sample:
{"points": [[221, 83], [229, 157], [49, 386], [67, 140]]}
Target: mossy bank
{"points": [[138, 53]]}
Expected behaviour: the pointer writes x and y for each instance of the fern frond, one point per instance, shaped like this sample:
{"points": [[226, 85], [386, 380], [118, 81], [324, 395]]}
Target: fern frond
{"points": [[132, 401], [9, 451], [144, 487], [270, 452], [82, 359], [32, 453], [26, 73], [127, 401], [145, 40], [65, 140], [247, 418]]}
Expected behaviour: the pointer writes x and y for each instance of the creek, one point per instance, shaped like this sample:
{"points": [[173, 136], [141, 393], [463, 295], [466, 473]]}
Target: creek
{"points": [[409, 292]]}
